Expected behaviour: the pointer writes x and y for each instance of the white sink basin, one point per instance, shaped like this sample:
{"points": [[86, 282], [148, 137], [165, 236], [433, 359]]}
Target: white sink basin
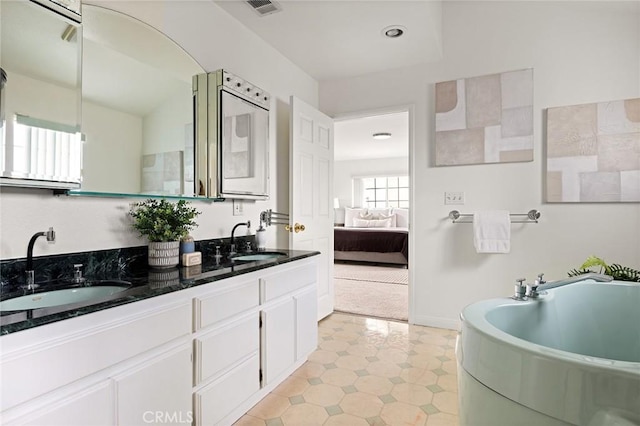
{"points": [[59, 297], [259, 256]]}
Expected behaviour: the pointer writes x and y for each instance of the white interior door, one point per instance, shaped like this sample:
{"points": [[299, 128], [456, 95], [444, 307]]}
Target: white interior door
{"points": [[311, 192]]}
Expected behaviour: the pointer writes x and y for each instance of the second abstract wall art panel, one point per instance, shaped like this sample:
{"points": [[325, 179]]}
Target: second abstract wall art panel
{"points": [[487, 119], [593, 152]]}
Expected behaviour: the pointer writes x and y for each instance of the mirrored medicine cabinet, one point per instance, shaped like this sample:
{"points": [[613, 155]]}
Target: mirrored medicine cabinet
{"points": [[40, 61], [139, 114]]}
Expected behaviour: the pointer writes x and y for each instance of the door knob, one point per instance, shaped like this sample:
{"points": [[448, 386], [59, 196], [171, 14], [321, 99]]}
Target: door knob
{"points": [[288, 228], [298, 227]]}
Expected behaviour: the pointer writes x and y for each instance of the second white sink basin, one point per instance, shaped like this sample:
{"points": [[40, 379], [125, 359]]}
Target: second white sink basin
{"points": [[259, 256], [59, 297]]}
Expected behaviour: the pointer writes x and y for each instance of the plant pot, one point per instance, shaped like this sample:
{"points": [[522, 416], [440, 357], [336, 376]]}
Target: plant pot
{"points": [[164, 254]]}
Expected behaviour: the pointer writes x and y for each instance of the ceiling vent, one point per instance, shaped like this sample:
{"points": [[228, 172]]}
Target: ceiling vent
{"points": [[264, 7]]}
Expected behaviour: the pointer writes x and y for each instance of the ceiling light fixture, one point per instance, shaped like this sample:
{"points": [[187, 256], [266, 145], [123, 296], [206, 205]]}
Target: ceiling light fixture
{"points": [[383, 135], [394, 31]]}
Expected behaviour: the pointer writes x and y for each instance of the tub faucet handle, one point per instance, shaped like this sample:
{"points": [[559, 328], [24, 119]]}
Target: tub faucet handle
{"points": [[540, 280], [520, 289]]}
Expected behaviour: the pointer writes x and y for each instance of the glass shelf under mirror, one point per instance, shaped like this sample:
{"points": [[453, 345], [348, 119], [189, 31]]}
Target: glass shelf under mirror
{"points": [[129, 195]]}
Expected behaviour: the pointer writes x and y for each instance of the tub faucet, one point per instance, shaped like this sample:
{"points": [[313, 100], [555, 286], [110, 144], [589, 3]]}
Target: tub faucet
{"points": [[51, 237], [533, 290], [232, 250]]}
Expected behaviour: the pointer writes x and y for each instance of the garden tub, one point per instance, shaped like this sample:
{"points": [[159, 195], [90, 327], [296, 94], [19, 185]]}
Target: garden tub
{"points": [[571, 356]]}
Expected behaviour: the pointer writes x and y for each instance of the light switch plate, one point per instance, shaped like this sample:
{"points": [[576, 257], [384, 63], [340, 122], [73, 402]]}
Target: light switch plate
{"points": [[454, 197], [238, 208]]}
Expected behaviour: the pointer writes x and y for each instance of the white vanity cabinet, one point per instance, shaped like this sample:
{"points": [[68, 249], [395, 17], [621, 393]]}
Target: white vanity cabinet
{"points": [[250, 335], [108, 367], [203, 355], [289, 319], [227, 348]]}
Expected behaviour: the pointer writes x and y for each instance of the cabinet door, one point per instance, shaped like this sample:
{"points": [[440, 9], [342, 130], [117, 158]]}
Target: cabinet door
{"points": [[158, 391], [306, 323], [89, 407], [277, 339]]}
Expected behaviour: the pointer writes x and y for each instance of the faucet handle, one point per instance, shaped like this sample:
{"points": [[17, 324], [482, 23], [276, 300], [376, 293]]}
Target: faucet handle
{"points": [[520, 289], [77, 274], [248, 246], [540, 280]]}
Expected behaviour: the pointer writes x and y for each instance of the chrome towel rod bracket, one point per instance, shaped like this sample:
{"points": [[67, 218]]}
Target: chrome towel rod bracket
{"points": [[532, 216]]}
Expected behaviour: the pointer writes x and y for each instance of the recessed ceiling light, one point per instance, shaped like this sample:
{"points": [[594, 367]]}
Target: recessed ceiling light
{"points": [[394, 31], [383, 135]]}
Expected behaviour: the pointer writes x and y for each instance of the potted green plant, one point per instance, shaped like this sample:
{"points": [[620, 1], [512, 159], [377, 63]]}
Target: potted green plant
{"points": [[618, 272], [163, 224]]}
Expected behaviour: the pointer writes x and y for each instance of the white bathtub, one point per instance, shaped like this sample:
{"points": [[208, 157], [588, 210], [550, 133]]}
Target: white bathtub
{"points": [[570, 357]]}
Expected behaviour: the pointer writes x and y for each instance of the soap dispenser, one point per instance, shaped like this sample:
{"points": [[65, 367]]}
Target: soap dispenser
{"points": [[261, 237]]}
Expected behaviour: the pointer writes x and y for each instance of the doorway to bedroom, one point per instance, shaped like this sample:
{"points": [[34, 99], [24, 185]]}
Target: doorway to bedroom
{"points": [[372, 188]]}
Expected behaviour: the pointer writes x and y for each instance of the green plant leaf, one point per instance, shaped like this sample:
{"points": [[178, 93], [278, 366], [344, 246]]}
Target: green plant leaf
{"points": [[595, 261]]}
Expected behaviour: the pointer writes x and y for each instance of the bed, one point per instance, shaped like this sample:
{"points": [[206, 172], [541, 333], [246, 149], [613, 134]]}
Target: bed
{"points": [[373, 236]]}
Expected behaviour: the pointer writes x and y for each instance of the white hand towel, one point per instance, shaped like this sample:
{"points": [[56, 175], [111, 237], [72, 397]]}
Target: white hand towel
{"points": [[492, 231]]}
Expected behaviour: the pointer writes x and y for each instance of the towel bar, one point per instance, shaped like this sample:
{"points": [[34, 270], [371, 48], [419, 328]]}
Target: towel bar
{"points": [[269, 217], [531, 217]]}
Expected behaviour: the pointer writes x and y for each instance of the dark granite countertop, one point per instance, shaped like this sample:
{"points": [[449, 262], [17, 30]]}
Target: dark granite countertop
{"points": [[144, 284]]}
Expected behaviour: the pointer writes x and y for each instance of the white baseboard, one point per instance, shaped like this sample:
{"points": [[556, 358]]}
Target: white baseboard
{"points": [[437, 322]]}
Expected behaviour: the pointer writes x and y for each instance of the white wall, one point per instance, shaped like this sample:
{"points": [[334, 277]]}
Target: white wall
{"points": [[344, 172], [215, 40], [112, 151], [581, 52], [164, 127]]}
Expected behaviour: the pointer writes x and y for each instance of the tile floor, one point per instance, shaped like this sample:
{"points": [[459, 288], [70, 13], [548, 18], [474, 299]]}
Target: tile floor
{"points": [[368, 372]]}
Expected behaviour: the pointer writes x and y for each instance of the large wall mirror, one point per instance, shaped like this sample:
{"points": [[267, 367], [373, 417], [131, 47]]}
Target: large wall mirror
{"points": [[137, 109]]}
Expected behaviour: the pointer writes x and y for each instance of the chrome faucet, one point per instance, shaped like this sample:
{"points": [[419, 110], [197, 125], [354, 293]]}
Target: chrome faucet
{"points": [[539, 285], [232, 250], [51, 237]]}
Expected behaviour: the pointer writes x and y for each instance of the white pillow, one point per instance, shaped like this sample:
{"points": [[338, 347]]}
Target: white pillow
{"points": [[378, 213], [373, 223], [392, 216], [350, 214], [402, 220]]}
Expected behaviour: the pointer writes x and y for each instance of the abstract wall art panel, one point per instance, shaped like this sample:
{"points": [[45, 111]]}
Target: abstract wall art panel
{"points": [[593, 152], [486, 119]]}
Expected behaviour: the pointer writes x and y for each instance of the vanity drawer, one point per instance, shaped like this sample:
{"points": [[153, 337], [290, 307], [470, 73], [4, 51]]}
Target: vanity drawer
{"points": [[280, 283], [214, 307], [216, 401], [219, 350]]}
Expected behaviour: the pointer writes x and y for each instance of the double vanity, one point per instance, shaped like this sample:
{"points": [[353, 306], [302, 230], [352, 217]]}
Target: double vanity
{"points": [[181, 346]]}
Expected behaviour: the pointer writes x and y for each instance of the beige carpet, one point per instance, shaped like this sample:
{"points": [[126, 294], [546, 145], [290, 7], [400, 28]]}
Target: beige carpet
{"points": [[381, 274], [371, 298]]}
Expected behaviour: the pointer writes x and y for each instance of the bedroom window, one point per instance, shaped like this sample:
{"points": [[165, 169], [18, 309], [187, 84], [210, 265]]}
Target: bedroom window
{"points": [[387, 191]]}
